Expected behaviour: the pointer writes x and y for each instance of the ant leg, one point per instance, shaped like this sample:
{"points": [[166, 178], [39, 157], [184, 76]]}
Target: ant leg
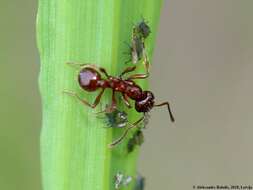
{"points": [[83, 65], [97, 100], [170, 112], [113, 105], [138, 76], [127, 70], [126, 101], [142, 76], [104, 71], [110, 108], [119, 140]]}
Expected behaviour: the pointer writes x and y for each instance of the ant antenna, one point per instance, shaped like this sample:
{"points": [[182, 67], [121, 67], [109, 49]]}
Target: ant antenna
{"points": [[119, 140], [170, 112]]}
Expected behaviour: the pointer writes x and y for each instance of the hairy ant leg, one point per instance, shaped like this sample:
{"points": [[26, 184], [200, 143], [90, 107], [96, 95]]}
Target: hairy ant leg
{"points": [[112, 107], [168, 105], [126, 101], [119, 140], [141, 76], [114, 102], [127, 70], [97, 100], [84, 65], [138, 76]]}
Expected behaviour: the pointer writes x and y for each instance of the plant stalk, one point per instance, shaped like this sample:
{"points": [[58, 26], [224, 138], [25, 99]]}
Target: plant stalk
{"points": [[74, 142]]}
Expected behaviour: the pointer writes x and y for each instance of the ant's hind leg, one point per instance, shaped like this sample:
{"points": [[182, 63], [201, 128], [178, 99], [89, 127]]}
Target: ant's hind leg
{"points": [[97, 100]]}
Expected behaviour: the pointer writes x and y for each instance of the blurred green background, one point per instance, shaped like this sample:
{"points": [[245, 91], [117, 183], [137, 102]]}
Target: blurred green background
{"points": [[203, 64]]}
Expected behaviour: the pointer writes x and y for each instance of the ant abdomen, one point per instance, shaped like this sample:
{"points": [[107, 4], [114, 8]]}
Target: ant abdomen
{"points": [[88, 79]]}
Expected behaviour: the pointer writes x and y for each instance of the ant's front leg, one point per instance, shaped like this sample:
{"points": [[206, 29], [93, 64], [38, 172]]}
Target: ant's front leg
{"points": [[127, 70], [97, 100], [169, 109], [141, 76], [138, 76]]}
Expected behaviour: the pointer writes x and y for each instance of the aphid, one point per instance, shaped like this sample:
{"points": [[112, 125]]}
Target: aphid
{"points": [[140, 183], [116, 119], [121, 180], [142, 28], [90, 80], [137, 49], [136, 140]]}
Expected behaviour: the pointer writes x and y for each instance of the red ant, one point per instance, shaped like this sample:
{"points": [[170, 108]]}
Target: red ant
{"points": [[90, 79]]}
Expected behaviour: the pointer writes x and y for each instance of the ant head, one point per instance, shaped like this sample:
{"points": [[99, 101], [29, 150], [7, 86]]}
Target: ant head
{"points": [[88, 79], [146, 102]]}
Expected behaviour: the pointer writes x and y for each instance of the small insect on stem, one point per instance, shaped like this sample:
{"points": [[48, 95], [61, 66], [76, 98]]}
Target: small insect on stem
{"points": [[134, 125], [90, 79], [140, 32], [140, 183], [116, 119], [143, 29], [136, 140], [120, 180]]}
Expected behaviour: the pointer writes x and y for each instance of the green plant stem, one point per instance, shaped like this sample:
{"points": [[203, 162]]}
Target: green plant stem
{"points": [[74, 142]]}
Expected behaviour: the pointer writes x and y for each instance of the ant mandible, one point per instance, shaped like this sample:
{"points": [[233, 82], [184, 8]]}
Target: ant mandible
{"points": [[90, 80]]}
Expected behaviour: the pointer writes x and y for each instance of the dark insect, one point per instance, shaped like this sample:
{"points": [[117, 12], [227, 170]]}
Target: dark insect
{"points": [[116, 119], [142, 29], [90, 80], [121, 180], [140, 183], [136, 140], [137, 48]]}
